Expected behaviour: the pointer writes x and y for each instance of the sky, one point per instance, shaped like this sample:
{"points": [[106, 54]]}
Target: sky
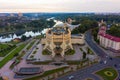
{"points": [[59, 6]]}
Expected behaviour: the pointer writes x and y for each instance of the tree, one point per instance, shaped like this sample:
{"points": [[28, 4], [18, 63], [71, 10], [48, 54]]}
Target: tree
{"points": [[51, 23], [23, 37], [84, 55], [86, 24], [115, 31]]}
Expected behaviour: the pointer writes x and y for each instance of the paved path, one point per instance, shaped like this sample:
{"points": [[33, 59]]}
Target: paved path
{"points": [[5, 71], [89, 71], [30, 51]]}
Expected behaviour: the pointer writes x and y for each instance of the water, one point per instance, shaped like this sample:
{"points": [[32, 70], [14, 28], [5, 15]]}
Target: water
{"points": [[9, 37]]}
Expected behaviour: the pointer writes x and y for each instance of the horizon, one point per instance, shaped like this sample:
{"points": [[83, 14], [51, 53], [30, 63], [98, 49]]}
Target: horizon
{"points": [[65, 12]]}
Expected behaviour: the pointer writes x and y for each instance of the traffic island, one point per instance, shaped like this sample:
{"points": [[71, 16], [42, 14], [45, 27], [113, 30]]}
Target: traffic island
{"points": [[108, 73]]}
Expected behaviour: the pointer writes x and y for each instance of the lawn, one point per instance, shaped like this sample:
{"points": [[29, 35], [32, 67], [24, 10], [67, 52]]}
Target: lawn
{"points": [[108, 73], [39, 36], [47, 73], [46, 52], [3, 46], [70, 52], [11, 55], [30, 45], [5, 49], [12, 42]]}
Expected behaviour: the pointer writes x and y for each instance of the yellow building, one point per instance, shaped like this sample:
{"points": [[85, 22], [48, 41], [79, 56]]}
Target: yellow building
{"points": [[58, 40]]}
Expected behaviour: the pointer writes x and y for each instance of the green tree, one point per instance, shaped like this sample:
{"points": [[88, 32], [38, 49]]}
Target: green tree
{"points": [[84, 55], [115, 31], [23, 37]]}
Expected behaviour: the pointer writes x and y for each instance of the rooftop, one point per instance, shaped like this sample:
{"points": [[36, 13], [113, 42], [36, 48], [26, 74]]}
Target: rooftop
{"points": [[113, 38]]}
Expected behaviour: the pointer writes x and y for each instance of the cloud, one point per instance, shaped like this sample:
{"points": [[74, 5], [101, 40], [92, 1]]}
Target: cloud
{"points": [[60, 5]]}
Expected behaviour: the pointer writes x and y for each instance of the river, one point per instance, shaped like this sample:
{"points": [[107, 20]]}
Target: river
{"points": [[9, 37]]}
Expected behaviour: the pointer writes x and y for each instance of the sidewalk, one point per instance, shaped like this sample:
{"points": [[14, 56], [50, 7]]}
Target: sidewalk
{"points": [[5, 71], [108, 52]]}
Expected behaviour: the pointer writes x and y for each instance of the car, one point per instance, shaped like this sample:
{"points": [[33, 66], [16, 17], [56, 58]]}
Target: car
{"points": [[70, 77], [115, 65], [105, 62], [110, 58], [101, 62]]}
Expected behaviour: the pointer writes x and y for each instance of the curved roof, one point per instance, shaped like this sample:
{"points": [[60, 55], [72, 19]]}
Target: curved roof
{"points": [[59, 24]]}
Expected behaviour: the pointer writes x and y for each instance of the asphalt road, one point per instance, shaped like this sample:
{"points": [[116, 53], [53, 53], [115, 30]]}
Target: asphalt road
{"points": [[88, 72]]}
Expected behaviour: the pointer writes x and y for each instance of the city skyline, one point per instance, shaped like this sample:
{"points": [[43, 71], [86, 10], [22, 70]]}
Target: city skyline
{"points": [[59, 6]]}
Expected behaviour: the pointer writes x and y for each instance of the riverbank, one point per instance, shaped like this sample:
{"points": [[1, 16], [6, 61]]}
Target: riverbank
{"points": [[19, 31]]}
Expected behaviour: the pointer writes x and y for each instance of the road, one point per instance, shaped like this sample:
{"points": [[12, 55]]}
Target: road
{"points": [[88, 72]]}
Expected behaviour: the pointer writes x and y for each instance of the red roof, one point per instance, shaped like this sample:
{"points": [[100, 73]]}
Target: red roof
{"points": [[113, 38]]}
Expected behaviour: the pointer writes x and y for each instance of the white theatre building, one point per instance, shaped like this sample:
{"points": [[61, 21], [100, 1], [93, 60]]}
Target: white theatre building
{"points": [[59, 40]]}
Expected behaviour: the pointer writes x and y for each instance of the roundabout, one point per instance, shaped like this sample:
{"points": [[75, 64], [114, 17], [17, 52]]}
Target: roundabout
{"points": [[108, 73]]}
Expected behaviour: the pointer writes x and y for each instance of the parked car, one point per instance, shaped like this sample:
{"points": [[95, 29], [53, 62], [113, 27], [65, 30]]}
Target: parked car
{"points": [[70, 77]]}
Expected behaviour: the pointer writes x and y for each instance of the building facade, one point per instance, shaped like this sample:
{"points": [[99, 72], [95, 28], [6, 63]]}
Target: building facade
{"points": [[58, 40], [108, 41]]}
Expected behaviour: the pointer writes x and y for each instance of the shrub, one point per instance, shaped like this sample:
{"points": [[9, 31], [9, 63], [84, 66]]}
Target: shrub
{"points": [[70, 52], [46, 52], [34, 52], [31, 56]]}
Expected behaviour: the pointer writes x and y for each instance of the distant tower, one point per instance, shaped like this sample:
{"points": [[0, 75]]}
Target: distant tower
{"points": [[12, 15], [102, 23], [102, 29], [20, 14], [69, 20]]}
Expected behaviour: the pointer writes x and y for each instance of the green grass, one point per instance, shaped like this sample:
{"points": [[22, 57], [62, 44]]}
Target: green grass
{"points": [[18, 59], [46, 52], [39, 36], [81, 49], [5, 49], [1, 78], [77, 62], [11, 55], [30, 45], [34, 52], [12, 42], [102, 74], [47, 73], [89, 51], [3, 46], [70, 52]]}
